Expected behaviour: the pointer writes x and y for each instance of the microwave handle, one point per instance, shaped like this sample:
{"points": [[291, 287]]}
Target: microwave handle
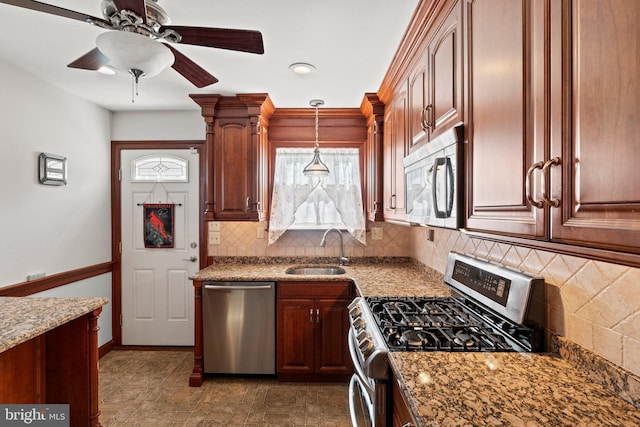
{"points": [[440, 161]]}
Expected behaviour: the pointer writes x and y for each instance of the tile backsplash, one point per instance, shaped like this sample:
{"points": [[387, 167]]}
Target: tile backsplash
{"points": [[592, 303], [240, 239], [595, 304]]}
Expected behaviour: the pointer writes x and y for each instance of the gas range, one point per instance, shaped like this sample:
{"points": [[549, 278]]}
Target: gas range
{"points": [[445, 324], [492, 308]]}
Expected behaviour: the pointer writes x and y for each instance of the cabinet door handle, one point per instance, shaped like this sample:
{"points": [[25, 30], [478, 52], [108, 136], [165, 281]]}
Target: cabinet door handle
{"points": [[311, 315], [247, 204], [545, 173], [317, 315], [529, 183], [392, 202], [426, 117]]}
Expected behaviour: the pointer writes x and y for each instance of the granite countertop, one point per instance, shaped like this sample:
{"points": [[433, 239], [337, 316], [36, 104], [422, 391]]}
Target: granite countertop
{"points": [[463, 389], [371, 278], [24, 318], [505, 389]]}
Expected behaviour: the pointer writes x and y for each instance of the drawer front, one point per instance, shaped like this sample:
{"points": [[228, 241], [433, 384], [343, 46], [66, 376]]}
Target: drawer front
{"points": [[314, 289]]}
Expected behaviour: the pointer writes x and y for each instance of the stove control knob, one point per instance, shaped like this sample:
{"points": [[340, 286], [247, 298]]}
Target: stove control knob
{"points": [[359, 323], [362, 336], [366, 347], [355, 312]]}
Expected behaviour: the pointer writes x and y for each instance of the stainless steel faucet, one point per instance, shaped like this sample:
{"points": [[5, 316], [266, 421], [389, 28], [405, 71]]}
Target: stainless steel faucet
{"points": [[342, 260]]}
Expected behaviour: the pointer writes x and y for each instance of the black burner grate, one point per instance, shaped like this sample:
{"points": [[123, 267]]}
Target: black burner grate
{"points": [[442, 324]]}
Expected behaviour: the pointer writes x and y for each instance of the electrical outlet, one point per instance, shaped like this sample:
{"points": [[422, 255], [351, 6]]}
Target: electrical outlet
{"points": [[35, 276], [214, 237], [430, 234], [376, 233], [260, 232], [214, 226]]}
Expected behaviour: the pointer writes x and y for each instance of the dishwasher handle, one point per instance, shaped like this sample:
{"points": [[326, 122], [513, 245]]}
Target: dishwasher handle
{"points": [[237, 288]]}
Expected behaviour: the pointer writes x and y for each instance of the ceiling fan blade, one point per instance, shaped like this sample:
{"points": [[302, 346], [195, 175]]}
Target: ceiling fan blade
{"points": [[190, 70], [136, 6], [55, 10], [91, 60], [221, 38]]}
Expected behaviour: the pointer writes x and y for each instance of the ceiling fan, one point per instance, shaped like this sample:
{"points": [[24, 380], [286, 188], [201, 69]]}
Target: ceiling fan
{"points": [[141, 27]]}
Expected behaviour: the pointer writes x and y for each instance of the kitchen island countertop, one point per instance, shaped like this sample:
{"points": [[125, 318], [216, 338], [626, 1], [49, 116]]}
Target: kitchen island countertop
{"points": [[464, 389], [24, 318]]}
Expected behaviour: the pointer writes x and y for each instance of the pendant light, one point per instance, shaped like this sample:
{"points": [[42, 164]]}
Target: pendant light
{"points": [[316, 167]]}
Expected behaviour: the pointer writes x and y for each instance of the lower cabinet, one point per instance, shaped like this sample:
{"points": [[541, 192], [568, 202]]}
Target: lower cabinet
{"points": [[401, 414], [311, 331]]}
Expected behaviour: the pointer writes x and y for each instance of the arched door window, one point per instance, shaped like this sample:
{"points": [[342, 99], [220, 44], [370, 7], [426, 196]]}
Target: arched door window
{"points": [[165, 168]]}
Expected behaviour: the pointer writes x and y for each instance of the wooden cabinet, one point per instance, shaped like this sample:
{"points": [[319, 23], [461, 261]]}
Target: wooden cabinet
{"points": [[401, 414], [373, 110], [59, 366], [435, 82], [312, 327], [236, 149], [505, 117], [595, 123], [553, 116], [394, 150]]}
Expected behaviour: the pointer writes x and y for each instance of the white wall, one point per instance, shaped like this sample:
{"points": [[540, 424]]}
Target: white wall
{"points": [[53, 229], [158, 125]]}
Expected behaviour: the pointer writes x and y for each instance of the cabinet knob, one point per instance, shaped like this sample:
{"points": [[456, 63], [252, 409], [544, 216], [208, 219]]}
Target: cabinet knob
{"points": [[545, 173]]}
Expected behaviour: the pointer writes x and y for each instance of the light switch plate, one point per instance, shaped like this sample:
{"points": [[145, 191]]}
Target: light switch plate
{"points": [[214, 237]]}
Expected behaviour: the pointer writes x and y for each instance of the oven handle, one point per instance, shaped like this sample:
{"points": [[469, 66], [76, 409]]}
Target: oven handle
{"points": [[356, 363], [356, 382]]}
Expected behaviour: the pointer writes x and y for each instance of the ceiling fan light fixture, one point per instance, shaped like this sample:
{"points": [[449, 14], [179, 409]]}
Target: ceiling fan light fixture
{"points": [[302, 68], [107, 70], [130, 51]]}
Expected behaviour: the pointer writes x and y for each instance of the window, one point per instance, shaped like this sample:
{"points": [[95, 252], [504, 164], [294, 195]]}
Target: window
{"points": [[159, 169], [317, 203]]}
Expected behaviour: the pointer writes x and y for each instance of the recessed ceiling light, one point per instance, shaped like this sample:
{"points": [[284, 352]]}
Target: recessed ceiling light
{"points": [[301, 68]]}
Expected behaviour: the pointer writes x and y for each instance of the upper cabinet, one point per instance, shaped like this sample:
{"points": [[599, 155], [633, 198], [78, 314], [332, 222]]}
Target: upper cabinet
{"points": [[394, 151], [373, 110], [505, 114], [593, 173], [236, 151], [435, 79], [553, 115]]}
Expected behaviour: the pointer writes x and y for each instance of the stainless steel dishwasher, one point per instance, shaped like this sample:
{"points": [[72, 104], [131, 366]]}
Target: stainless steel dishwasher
{"points": [[239, 327]]}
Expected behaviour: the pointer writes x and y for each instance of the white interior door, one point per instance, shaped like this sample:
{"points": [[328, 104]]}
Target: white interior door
{"points": [[157, 295]]}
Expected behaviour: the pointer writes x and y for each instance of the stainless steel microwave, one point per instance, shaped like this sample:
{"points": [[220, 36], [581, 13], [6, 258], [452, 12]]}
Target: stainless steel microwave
{"points": [[433, 181]]}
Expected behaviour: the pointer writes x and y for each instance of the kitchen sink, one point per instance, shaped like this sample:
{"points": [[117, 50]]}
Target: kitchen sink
{"points": [[316, 270]]}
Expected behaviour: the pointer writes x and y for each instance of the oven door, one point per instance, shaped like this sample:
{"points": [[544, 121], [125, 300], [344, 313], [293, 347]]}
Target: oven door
{"points": [[367, 397]]}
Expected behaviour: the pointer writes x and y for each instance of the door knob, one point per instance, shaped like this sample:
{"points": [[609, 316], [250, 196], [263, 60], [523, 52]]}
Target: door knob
{"points": [[192, 258]]}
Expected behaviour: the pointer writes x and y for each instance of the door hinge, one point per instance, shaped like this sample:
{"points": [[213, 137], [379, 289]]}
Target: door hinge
{"points": [[119, 174], [119, 247], [120, 319]]}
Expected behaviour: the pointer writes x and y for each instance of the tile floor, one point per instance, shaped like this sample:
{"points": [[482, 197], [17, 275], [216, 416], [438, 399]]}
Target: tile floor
{"points": [[150, 388]]}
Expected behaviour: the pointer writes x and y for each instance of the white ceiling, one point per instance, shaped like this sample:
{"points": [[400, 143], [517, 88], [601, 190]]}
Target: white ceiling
{"points": [[351, 43]]}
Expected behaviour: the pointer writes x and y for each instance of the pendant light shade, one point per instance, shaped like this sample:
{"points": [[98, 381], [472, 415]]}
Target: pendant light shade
{"points": [[129, 51], [316, 167]]}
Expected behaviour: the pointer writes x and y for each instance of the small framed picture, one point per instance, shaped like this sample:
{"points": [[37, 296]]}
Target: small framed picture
{"points": [[158, 225], [52, 169]]}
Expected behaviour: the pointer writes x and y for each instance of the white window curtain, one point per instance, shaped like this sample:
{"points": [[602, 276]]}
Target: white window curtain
{"points": [[317, 203]]}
